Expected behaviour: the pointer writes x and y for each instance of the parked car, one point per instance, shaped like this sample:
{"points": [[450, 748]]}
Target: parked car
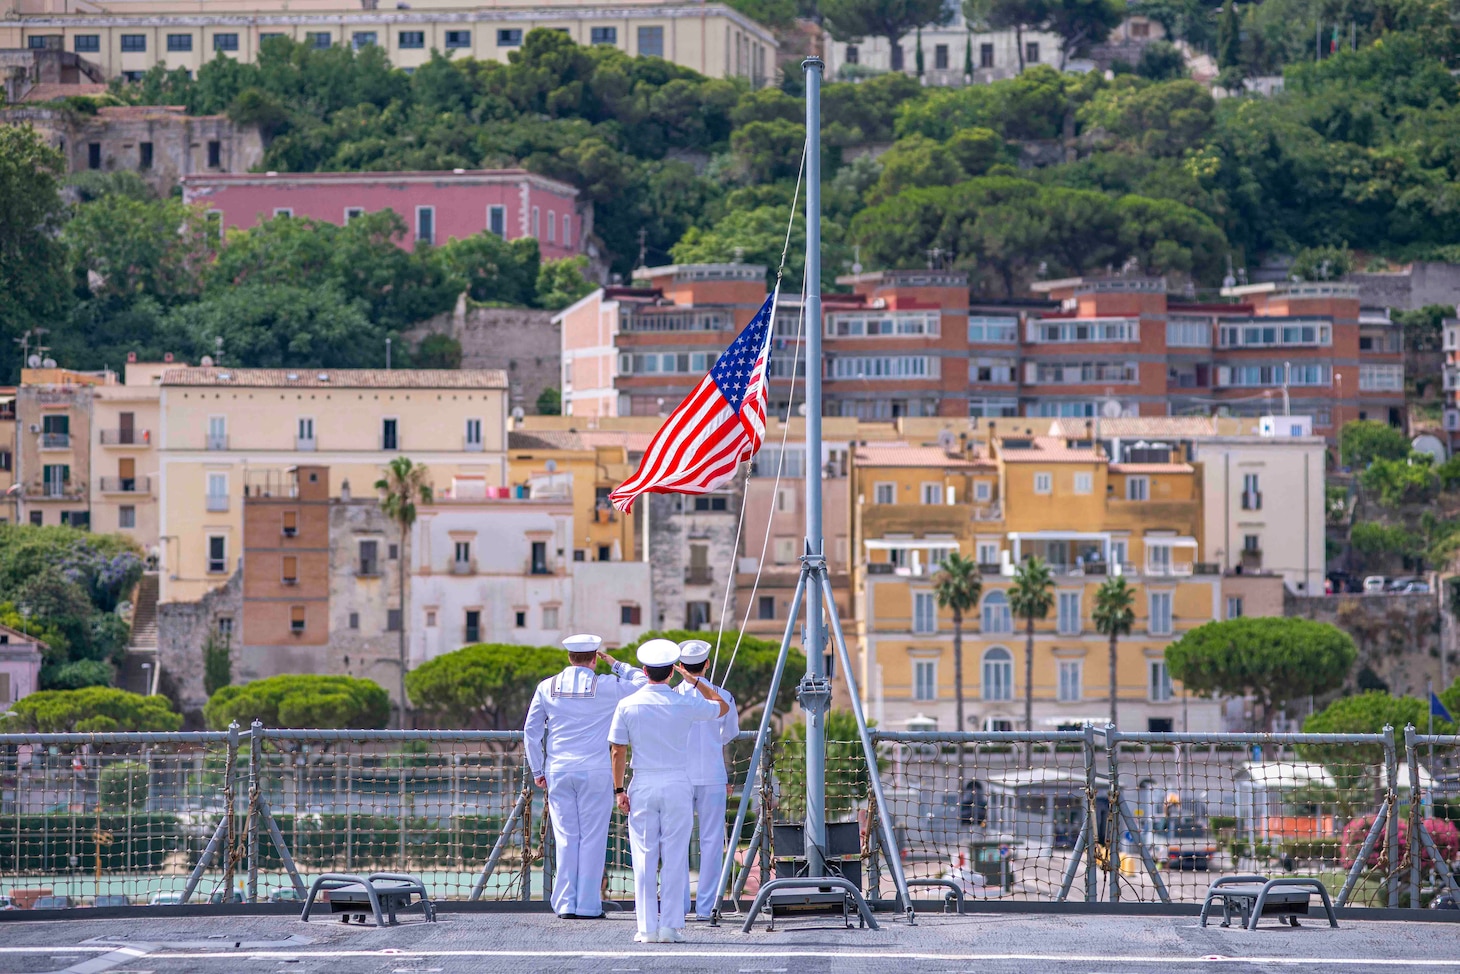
{"points": [[287, 894], [112, 899], [54, 903], [5, 904], [1373, 584], [1416, 588], [1400, 583], [164, 899]]}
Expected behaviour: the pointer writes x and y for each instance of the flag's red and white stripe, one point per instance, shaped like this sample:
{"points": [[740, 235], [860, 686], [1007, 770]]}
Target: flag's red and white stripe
{"points": [[719, 425]]}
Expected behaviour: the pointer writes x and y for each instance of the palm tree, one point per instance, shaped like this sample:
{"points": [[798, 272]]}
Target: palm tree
{"points": [[1031, 597], [403, 486], [958, 587], [1114, 616]]}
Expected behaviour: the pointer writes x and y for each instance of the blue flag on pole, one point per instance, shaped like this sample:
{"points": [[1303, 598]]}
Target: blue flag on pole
{"points": [[1437, 709]]}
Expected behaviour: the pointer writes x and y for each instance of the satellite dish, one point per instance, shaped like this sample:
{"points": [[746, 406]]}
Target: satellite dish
{"points": [[1426, 443], [1110, 409], [34, 361], [946, 439], [552, 466], [206, 361], [801, 409], [518, 412], [48, 363]]}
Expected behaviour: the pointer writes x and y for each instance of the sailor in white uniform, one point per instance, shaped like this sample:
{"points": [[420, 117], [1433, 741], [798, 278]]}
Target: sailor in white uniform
{"points": [[707, 775], [656, 723], [573, 710]]}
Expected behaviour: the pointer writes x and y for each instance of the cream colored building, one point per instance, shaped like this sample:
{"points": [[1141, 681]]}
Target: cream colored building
{"points": [[127, 37], [222, 428], [124, 453]]}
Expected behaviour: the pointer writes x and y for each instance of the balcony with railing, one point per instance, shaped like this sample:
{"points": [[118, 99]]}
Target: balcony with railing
{"points": [[55, 441], [466, 566], [647, 320], [217, 503], [54, 490], [126, 485], [1252, 500], [306, 444], [217, 441], [126, 437], [699, 575]]}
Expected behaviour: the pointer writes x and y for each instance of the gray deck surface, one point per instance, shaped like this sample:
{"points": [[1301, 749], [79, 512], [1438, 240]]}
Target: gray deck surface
{"points": [[528, 943]]}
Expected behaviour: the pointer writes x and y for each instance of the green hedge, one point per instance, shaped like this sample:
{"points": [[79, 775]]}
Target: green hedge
{"points": [[1311, 850], [374, 840], [45, 843]]}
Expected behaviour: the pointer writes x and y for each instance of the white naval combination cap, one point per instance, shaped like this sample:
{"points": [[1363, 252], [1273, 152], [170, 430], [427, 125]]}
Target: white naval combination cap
{"points": [[583, 643], [659, 652], [694, 651]]}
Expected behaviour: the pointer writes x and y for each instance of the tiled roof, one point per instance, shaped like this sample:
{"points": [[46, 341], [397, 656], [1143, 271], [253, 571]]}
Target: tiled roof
{"points": [[53, 91], [1139, 427], [1151, 468], [1046, 449], [632, 441], [906, 455], [338, 378]]}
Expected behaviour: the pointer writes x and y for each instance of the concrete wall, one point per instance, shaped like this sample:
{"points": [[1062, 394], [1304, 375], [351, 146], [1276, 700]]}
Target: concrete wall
{"points": [[526, 343], [1419, 284], [183, 628], [1398, 637], [675, 527]]}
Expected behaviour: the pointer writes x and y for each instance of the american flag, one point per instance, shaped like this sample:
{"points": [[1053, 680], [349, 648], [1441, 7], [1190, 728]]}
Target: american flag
{"points": [[718, 426]]}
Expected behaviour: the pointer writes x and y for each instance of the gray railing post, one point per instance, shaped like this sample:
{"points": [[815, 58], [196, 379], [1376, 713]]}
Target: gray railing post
{"points": [[1391, 836], [1416, 819], [255, 757], [1092, 819], [1112, 810]]}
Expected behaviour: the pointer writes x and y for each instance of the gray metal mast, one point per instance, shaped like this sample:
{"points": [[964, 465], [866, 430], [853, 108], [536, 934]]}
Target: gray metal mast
{"points": [[815, 690]]}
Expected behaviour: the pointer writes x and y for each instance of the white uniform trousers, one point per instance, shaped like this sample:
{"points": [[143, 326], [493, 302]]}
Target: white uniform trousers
{"points": [[660, 820], [709, 808], [581, 803]]}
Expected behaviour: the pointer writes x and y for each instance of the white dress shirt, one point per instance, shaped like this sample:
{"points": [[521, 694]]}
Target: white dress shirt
{"points": [[656, 723], [575, 708], [707, 741]]}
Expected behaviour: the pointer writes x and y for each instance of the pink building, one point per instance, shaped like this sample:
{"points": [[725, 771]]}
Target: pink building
{"points": [[436, 206], [20, 665]]}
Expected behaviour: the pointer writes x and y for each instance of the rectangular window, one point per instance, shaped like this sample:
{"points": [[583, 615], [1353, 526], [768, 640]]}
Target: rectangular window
{"points": [[1069, 613], [550, 617], [519, 619], [144, 156], [179, 42], [1031, 52], [786, 500], [86, 43], [766, 608], [894, 324], [296, 618], [785, 550], [497, 220], [473, 434], [289, 523], [426, 224], [536, 222], [354, 620], [985, 56], [1251, 493], [225, 42], [369, 558], [853, 55], [1188, 333], [999, 370], [940, 57], [463, 553], [456, 40], [552, 226], [1252, 543], [651, 41], [925, 612], [988, 553], [1095, 330], [715, 502], [217, 492], [1234, 607], [362, 39], [1137, 488], [603, 35], [225, 627], [884, 494], [1161, 689], [392, 620], [353, 212], [629, 615], [1381, 378], [1084, 483], [305, 440], [567, 230], [1160, 614], [539, 558], [217, 554], [1071, 676], [696, 616], [509, 38], [93, 155], [217, 433], [389, 434], [215, 154], [289, 573], [320, 40], [134, 43], [267, 36], [925, 679], [412, 40], [284, 211], [126, 516], [1044, 483], [932, 493]]}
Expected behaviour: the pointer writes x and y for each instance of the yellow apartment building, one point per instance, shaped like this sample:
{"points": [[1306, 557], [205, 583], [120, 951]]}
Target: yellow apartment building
{"points": [[222, 430], [1026, 494], [124, 453], [52, 458], [585, 466], [127, 37]]}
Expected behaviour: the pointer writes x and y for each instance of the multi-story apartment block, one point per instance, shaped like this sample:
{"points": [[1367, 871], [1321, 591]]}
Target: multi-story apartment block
{"points": [[124, 455], [7, 455], [220, 427], [435, 206], [947, 52], [1451, 383], [1027, 494], [125, 39], [52, 454]]}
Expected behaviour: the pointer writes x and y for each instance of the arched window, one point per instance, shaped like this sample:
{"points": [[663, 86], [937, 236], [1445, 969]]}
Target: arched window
{"points": [[998, 673], [996, 617]]}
